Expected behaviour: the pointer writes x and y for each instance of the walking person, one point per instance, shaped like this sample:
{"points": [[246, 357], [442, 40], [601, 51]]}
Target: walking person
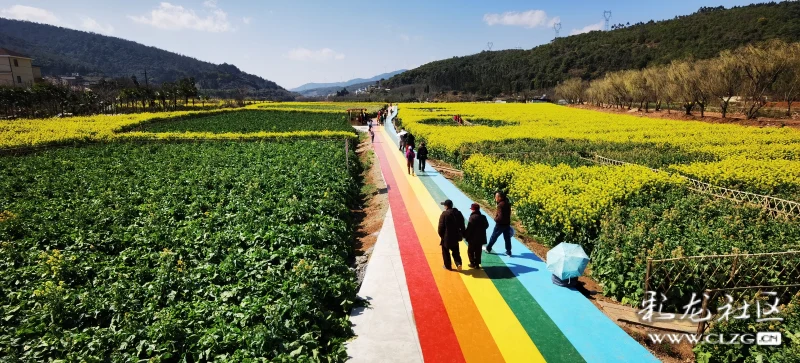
{"points": [[410, 160], [410, 140], [475, 234], [502, 220], [451, 231], [422, 155], [372, 136], [402, 135]]}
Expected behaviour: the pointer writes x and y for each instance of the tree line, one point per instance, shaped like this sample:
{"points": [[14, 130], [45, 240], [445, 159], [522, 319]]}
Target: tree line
{"points": [[747, 77], [121, 95]]}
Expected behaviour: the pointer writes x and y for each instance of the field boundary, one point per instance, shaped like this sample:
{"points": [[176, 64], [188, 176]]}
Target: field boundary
{"points": [[775, 206], [133, 138]]}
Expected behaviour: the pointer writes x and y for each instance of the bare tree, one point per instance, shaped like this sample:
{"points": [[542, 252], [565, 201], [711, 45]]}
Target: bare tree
{"points": [[787, 86], [762, 65], [573, 90], [723, 79], [682, 84], [656, 78], [617, 90], [702, 96], [637, 88]]}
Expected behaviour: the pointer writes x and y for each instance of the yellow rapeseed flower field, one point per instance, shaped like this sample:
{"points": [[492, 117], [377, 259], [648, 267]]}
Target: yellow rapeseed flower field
{"points": [[763, 160], [563, 200], [547, 121], [41, 132]]}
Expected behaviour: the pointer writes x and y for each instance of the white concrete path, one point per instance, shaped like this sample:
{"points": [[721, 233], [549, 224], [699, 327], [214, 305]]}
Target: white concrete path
{"points": [[385, 331]]}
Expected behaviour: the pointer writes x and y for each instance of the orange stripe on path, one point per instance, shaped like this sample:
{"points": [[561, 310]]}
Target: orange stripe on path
{"points": [[476, 341]]}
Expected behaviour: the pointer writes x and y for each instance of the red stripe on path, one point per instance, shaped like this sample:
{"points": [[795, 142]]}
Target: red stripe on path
{"points": [[436, 335]]}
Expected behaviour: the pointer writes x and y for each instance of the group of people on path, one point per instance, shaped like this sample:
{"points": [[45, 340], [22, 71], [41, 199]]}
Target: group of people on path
{"points": [[452, 230], [407, 144]]}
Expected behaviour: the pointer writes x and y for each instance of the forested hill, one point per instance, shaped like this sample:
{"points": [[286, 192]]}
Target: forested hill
{"points": [[63, 51], [700, 35]]}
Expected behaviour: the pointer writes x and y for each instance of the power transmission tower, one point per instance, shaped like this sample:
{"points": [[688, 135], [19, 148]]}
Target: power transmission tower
{"points": [[489, 45], [607, 16], [557, 28]]}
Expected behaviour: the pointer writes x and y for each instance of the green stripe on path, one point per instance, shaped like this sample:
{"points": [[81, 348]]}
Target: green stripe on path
{"points": [[549, 339]]}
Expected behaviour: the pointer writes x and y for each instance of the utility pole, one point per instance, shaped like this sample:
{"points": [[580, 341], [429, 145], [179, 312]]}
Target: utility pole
{"points": [[607, 16], [557, 28], [489, 45], [146, 84]]}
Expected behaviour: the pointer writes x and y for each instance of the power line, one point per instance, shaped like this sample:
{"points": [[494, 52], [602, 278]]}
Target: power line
{"points": [[607, 16]]}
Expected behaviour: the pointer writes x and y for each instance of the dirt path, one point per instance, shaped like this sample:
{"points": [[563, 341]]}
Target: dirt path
{"points": [[375, 203], [373, 209], [710, 117]]}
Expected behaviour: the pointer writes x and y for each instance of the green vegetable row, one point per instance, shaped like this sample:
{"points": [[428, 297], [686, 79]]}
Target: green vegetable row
{"points": [[249, 121], [203, 251]]}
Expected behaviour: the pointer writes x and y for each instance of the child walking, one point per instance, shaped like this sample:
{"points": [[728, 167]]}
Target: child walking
{"points": [[410, 155]]}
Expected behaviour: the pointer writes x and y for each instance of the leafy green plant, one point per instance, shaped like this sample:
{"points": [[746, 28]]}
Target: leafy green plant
{"points": [[224, 251], [247, 121]]}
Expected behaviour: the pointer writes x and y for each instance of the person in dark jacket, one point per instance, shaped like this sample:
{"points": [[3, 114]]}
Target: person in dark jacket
{"points": [[451, 231], [422, 155], [410, 141], [475, 234], [502, 220]]}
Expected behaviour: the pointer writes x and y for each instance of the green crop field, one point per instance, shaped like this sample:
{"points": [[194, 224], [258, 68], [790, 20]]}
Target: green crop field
{"points": [[177, 252], [249, 121]]}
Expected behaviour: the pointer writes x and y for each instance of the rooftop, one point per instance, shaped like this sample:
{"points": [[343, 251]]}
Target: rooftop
{"points": [[10, 53]]}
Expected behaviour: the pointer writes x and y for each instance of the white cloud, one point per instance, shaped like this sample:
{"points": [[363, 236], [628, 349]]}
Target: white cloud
{"points": [[22, 12], [92, 25], [527, 19], [588, 28], [405, 37], [246, 20], [324, 54], [176, 17]]}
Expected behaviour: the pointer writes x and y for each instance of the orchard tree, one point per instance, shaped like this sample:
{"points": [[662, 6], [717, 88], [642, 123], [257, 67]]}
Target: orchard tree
{"points": [[787, 86], [762, 65], [723, 79]]}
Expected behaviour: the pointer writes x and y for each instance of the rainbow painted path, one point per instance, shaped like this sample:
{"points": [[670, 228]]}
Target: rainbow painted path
{"points": [[508, 311]]}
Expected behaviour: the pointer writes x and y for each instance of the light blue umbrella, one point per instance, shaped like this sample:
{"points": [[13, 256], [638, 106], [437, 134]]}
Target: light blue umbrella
{"points": [[567, 260]]}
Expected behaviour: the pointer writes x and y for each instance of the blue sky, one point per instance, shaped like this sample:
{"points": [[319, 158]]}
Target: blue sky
{"points": [[295, 42]]}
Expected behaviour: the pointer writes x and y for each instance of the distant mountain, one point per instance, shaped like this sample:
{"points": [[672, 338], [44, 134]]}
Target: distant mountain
{"points": [[63, 51], [311, 86], [700, 35], [324, 91]]}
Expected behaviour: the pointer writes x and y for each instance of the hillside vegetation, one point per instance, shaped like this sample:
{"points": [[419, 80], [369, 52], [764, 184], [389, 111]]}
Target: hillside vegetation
{"points": [[63, 51], [700, 35]]}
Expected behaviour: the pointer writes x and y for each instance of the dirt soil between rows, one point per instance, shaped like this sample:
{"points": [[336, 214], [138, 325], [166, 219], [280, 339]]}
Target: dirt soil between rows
{"points": [[375, 204]]}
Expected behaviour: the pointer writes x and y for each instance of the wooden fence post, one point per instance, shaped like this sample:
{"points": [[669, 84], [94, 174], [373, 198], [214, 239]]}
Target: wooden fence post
{"points": [[347, 154], [701, 325], [647, 275]]}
